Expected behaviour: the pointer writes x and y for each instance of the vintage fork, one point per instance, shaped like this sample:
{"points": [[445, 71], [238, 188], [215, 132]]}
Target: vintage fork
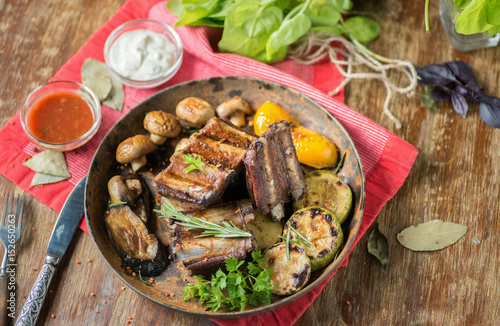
{"points": [[10, 232]]}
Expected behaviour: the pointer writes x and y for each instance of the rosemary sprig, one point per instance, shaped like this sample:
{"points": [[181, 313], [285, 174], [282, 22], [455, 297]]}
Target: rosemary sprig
{"points": [[193, 163], [118, 203], [301, 241], [145, 282], [341, 163], [289, 240], [306, 242], [225, 230]]}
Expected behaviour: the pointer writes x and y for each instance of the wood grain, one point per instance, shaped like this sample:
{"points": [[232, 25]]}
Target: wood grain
{"points": [[455, 178]]}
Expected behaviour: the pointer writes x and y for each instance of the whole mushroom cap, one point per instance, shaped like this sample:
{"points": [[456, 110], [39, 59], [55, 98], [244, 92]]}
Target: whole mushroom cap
{"points": [[234, 105], [195, 111], [162, 124], [133, 148]]}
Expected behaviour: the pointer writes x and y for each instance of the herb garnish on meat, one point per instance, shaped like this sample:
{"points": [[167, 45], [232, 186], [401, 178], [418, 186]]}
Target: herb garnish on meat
{"points": [[193, 163], [225, 230]]}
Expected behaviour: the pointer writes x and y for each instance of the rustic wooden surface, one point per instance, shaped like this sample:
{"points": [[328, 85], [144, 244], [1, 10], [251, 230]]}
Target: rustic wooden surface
{"points": [[455, 178]]}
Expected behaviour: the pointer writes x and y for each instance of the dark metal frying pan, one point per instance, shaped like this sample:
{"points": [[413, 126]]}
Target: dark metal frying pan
{"points": [[215, 91]]}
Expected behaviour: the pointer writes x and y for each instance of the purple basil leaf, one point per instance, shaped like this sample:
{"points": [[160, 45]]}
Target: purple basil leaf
{"points": [[459, 89], [473, 96], [435, 75], [463, 72], [440, 95], [459, 104], [489, 110]]}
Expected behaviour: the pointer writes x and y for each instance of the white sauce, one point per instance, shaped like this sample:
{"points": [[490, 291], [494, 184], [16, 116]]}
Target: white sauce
{"points": [[142, 55]]}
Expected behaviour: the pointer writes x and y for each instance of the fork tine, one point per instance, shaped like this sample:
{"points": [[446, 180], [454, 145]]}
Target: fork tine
{"points": [[5, 210], [18, 198], [18, 229], [10, 208]]}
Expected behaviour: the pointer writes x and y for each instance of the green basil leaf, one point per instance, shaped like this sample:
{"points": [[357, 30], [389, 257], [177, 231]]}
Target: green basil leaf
{"points": [[220, 11], [492, 12], [282, 4], [494, 30], [290, 31], [462, 3], [190, 11], [474, 19], [335, 30], [323, 15], [247, 28], [342, 5], [362, 29]]}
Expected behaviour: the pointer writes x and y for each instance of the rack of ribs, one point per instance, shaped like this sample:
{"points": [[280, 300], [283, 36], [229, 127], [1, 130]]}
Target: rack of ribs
{"points": [[203, 254], [221, 146], [273, 173]]}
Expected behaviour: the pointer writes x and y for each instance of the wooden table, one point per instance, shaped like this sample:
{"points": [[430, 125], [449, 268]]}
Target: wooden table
{"points": [[455, 178]]}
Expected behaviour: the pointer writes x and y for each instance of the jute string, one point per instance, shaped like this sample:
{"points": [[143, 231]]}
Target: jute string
{"points": [[317, 45]]}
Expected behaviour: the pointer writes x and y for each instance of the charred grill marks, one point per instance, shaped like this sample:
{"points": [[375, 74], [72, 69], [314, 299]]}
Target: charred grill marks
{"points": [[222, 147]]}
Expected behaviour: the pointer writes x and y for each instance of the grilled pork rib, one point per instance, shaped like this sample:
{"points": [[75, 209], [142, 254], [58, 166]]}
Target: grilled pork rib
{"points": [[273, 171], [222, 147], [202, 255]]}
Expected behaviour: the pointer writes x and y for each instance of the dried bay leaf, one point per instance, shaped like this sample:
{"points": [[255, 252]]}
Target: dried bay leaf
{"points": [[432, 235], [42, 179], [100, 85], [93, 69], [49, 162], [377, 246]]}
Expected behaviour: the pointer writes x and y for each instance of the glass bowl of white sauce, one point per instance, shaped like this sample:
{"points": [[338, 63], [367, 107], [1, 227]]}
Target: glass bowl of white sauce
{"points": [[143, 53]]}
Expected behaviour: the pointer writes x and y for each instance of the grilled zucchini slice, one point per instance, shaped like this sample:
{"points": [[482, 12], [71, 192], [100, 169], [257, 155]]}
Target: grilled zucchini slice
{"points": [[266, 231], [289, 275], [320, 227], [327, 190]]}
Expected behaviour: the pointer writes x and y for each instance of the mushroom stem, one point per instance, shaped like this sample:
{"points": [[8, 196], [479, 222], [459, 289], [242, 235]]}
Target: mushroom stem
{"points": [[238, 119], [138, 163], [118, 190], [157, 139]]}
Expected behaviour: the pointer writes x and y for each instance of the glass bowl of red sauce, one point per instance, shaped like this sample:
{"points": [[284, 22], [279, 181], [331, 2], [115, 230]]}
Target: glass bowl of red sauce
{"points": [[61, 115]]}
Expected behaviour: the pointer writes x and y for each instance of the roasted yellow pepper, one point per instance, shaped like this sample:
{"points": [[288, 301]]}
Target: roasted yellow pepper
{"points": [[312, 148]]}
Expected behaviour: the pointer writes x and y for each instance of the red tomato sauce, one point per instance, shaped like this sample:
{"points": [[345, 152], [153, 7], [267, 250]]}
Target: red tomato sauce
{"points": [[60, 117]]}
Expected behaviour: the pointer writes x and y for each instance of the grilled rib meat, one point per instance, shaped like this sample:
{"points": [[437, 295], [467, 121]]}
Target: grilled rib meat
{"points": [[203, 255], [273, 171], [222, 147]]}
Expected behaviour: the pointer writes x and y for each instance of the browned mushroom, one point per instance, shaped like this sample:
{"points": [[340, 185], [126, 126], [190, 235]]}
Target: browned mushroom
{"points": [[161, 125], [126, 224], [194, 112], [119, 191], [132, 190], [133, 150], [234, 110]]}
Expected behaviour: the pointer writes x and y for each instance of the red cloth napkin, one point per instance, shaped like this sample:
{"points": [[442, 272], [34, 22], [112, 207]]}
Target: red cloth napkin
{"points": [[386, 158]]}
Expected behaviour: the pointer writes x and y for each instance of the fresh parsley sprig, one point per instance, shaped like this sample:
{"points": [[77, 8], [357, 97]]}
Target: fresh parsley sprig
{"points": [[225, 230], [234, 288], [193, 163]]}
